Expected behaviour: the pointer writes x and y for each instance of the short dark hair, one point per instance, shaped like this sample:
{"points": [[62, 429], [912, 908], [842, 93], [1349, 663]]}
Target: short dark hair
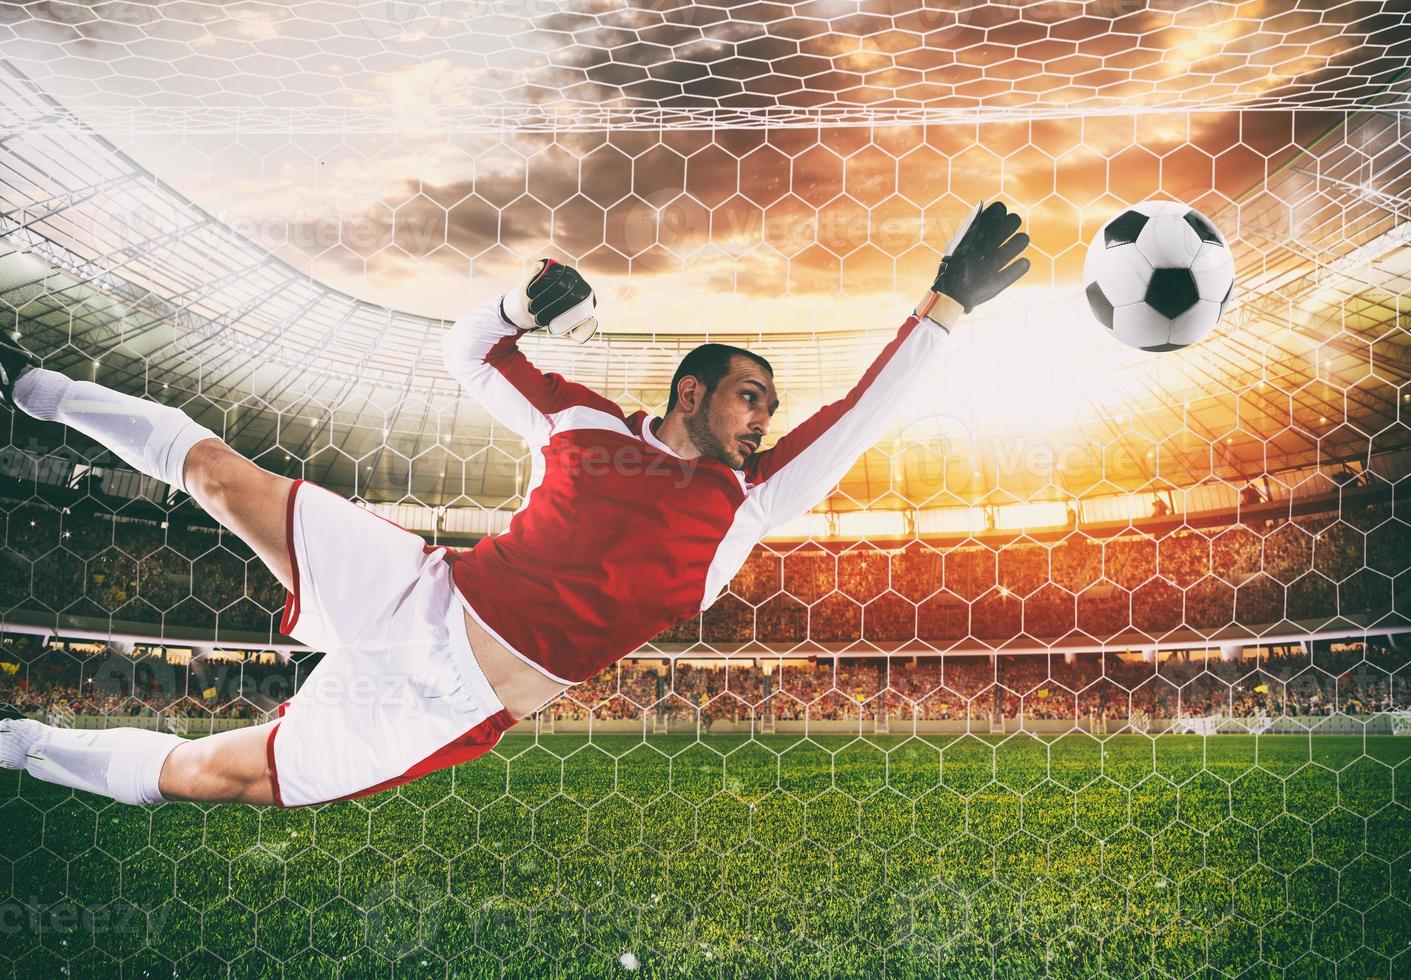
{"points": [[709, 363]]}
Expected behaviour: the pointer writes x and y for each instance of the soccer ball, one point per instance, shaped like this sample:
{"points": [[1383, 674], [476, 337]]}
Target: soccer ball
{"points": [[1158, 276]]}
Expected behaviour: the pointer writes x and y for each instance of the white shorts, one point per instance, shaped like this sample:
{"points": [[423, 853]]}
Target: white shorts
{"points": [[398, 693]]}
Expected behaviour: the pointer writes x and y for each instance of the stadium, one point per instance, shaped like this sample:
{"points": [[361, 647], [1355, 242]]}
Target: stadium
{"points": [[1097, 664]]}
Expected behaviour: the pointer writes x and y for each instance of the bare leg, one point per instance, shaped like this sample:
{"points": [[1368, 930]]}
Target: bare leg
{"points": [[162, 442], [231, 767], [245, 499], [139, 765]]}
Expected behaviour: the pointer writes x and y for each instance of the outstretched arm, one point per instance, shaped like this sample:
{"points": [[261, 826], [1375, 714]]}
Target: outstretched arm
{"points": [[482, 351], [804, 465], [800, 469]]}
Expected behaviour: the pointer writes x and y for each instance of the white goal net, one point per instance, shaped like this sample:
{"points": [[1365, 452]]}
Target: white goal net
{"points": [[266, 214]]}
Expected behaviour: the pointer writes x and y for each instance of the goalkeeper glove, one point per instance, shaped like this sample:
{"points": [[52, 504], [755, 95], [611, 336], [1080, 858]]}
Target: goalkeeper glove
{"points": [[554, 296], [979, 262]]}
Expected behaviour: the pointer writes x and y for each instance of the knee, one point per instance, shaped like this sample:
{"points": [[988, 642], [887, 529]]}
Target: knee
{"points": [[209, 471], [183, 771], [224, 482], [190, 771]]}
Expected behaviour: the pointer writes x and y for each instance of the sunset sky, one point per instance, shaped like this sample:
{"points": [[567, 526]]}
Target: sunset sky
{"points": [[757, 221], [811, 213]]}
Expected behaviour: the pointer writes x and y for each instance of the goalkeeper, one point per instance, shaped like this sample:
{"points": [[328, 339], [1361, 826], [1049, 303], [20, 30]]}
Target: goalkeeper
{"points": [[628, 526]]}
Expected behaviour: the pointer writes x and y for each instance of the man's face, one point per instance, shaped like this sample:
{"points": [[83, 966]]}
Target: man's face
{"points": [[734, 418]]}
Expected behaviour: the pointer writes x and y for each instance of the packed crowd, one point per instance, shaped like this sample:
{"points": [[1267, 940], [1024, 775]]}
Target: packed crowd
{"points": [[1306, 570], [132, 570], [1361, 678], [44, 701], [102, 679]]}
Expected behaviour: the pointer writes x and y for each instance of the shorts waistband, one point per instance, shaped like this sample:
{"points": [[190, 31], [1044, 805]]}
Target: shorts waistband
{"points": [[469, 667]]}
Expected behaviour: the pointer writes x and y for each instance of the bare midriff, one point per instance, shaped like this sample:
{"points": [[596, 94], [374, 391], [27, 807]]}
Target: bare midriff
{"points": [[521, 688]]}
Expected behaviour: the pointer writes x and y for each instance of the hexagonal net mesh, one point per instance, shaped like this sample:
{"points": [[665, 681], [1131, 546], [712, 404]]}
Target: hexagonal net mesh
{"points": [[1095, 665]]}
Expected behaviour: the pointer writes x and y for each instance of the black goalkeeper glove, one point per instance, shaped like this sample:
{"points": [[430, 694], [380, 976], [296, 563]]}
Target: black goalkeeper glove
{"points": [[555, 296], [980, 263]]}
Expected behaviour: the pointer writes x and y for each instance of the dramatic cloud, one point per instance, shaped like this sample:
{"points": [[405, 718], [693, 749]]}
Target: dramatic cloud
{"points": [[799, 211]]}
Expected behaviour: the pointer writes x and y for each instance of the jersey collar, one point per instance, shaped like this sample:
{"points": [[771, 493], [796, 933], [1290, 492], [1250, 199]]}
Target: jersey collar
{"points": [[650, 437]]}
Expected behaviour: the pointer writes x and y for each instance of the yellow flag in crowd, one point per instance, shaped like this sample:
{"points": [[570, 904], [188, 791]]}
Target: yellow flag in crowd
{"points": [[209, 694], [1261, 689], [9, 668], [1043, 692]]}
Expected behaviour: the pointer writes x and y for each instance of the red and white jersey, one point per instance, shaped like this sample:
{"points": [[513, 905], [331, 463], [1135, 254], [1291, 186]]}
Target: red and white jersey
{"points": [[618, 537]]}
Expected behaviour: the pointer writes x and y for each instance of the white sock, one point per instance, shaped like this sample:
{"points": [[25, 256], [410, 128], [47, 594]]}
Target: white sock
{"points": [[151, 438], [123, 764]]}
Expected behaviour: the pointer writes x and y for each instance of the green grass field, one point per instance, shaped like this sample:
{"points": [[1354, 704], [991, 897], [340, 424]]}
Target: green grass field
{"points": [[1272, 856]]}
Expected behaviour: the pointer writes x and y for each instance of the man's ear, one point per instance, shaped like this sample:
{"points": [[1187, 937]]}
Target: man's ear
{"points": [[688, 393]]}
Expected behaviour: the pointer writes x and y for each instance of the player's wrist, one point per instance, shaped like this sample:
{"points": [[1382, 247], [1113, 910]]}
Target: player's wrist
{"points": [[514, 311], [942, 310], [951, 282]]}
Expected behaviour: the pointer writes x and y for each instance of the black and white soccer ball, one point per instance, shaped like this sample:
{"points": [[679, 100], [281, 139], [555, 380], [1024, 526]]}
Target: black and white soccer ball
{"points": [[1158, 276]]}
